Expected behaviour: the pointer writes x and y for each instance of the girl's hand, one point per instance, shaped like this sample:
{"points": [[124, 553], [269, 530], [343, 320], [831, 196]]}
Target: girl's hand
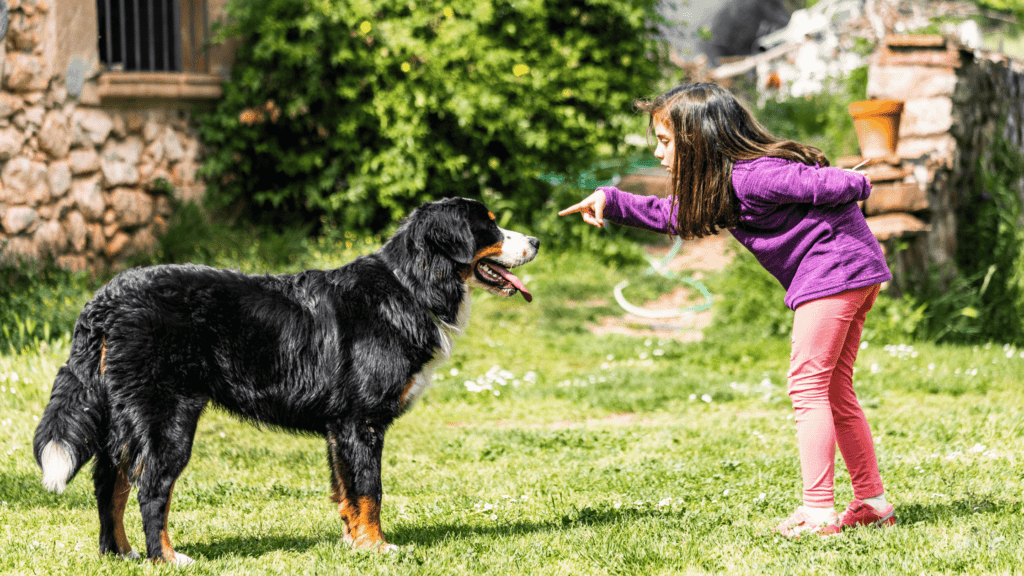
{"points": [[591, 208]]}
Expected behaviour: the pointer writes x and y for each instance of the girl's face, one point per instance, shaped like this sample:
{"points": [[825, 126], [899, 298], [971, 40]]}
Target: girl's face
{"points": [[666, 149]]}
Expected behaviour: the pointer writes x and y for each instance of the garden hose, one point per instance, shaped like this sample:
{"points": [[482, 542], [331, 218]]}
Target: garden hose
{"points": [[589, 180], [661, 267]]}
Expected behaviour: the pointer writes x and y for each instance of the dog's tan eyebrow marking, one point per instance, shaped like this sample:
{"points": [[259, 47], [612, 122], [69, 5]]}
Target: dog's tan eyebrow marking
{"points": [[490, 215]]}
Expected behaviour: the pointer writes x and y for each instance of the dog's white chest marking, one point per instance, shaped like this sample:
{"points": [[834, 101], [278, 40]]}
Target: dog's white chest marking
{"points": [[422, 380]]}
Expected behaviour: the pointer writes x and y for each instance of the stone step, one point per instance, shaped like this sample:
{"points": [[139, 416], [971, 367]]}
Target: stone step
{"points": [[895, 197], [899, 225]]}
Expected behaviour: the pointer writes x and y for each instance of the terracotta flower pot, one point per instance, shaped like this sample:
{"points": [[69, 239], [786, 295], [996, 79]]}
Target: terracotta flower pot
{"points": [[877, 123]]}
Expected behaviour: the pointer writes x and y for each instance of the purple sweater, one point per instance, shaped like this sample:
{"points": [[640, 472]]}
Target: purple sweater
{"points": [[801, 222]]}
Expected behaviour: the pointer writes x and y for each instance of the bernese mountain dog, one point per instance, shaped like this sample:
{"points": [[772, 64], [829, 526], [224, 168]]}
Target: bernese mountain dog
{"points": [[340, 353]]}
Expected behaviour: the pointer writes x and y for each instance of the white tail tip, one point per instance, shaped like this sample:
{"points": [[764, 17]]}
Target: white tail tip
{"points": [[57, 465]]}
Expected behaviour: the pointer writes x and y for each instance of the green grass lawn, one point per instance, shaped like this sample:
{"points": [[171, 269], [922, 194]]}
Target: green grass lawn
{"points": [[573, 454]]}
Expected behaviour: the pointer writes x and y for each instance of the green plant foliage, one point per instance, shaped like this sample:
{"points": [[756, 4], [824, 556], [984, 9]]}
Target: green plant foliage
{"points": [[989, 301], [363, 110], [39, 302], [821, 120], [749, 299]]}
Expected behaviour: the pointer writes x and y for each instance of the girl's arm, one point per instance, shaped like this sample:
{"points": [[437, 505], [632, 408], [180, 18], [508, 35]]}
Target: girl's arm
{"points": [[646, 212], [785, 182]]}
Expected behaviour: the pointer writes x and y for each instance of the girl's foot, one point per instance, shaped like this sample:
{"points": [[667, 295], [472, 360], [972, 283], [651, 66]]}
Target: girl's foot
{"points": [[801, 523], [860, 513]]}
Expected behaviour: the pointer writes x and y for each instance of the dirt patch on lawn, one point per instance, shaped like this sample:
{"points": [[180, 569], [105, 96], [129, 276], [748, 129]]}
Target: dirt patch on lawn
{"points": [[696, 256]]}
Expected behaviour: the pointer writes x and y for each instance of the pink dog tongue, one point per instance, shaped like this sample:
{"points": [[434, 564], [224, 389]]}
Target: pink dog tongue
{"points": [[515, 282]]}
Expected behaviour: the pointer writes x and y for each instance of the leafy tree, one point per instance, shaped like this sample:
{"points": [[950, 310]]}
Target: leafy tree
{"points": [[361, 110]]}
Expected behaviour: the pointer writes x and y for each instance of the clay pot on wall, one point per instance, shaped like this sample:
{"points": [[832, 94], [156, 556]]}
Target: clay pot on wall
{"points": [[877, 123]]}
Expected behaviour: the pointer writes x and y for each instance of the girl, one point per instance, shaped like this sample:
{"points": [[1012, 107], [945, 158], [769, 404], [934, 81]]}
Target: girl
{"points": [[800, 218]]}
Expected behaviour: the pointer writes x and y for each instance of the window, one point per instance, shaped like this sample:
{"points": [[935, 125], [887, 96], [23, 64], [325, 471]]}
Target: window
{"points": [[152, 35]]}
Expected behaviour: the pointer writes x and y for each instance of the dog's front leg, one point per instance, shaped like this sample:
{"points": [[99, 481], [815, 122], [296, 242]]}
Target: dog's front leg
{"points": [[354, 451]]}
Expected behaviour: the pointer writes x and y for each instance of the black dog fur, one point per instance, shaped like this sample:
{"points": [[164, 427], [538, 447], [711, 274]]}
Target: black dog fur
{"points": [[339, 353]]}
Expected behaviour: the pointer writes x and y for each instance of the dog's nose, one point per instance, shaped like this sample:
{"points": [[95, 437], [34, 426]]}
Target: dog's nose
{"points": [[534, 243]]}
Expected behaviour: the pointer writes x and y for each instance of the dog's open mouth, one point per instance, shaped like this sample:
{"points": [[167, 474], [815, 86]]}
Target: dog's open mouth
{"points": [[494, 274]]}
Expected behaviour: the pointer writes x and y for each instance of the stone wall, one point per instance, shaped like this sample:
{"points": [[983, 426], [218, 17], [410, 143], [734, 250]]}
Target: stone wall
{"points": [[80, 175], [955, 101]]}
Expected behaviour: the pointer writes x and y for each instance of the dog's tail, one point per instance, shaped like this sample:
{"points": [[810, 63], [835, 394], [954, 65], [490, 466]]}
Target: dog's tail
{"points": [[69, 432]]}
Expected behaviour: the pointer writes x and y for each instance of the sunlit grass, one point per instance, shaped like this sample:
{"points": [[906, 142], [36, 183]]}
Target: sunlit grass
{"points": [[546, 450]]}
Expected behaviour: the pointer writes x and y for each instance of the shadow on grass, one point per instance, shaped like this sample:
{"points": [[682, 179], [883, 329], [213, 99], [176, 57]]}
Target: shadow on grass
{"points": [[944, 512], [405, 535], [21, 490]]}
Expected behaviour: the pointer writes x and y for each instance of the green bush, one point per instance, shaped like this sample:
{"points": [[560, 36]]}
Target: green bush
{"points": [[39, 302], [362, 110], [986, 300]]}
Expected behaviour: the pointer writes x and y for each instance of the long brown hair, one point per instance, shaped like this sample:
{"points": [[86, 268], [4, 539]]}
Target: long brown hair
{"points": [[712, 130]]}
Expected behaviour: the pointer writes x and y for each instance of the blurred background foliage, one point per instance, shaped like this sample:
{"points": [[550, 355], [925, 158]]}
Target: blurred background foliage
{"points": [[360, 111]]}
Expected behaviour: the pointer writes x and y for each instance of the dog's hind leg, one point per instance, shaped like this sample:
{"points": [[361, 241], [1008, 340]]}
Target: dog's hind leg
{"points": [[112, 490], [168, 453], [354, 452]]}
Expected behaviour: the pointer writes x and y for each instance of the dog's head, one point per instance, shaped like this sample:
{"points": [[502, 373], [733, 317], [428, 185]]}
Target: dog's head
{"points": [[457, 240]]}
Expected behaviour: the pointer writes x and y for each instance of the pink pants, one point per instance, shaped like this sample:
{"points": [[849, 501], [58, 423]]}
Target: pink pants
{"points": [[826, 337]]}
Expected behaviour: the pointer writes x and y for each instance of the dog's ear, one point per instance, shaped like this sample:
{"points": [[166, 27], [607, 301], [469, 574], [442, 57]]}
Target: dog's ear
{"points": [[447, 231]]}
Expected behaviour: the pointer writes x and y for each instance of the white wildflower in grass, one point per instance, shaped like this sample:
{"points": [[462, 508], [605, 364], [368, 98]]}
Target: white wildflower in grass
{"points": [[706, 398], [761, 497], [648, 342], [454, 372], [977, 448], [726, 492], [693, 397], [610, 357], [875, 369], [665, 502], [617, 505], [530, 377], [14, 377], [659, 352], [953, 456], [931, 366], [643, 355], [864, 345]]}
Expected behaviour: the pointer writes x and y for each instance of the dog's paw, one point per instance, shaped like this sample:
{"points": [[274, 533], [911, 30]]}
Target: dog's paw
{"points": [[130, 555], [386, 548], [182, 560]]}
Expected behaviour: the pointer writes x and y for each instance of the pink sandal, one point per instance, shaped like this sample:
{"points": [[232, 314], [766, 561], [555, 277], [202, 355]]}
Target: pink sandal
{"points": [[800, 524]]}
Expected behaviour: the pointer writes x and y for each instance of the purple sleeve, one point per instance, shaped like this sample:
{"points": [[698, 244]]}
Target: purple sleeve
{"points": [[792, 183], [645, 212]]}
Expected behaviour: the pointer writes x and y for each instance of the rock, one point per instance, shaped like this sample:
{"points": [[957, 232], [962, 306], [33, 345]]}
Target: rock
{"points": [[58, 176], [91, 126], [78, 231], [133, 207], [173, 148], [130, 150], [55, 135], [9, 104], [116, 244], [84, 161], [151, 130], [88, 196], [35, 114], [25, 182], [25, 72], [11, 141], [18, 218], [50, 238], [117, 173]]}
